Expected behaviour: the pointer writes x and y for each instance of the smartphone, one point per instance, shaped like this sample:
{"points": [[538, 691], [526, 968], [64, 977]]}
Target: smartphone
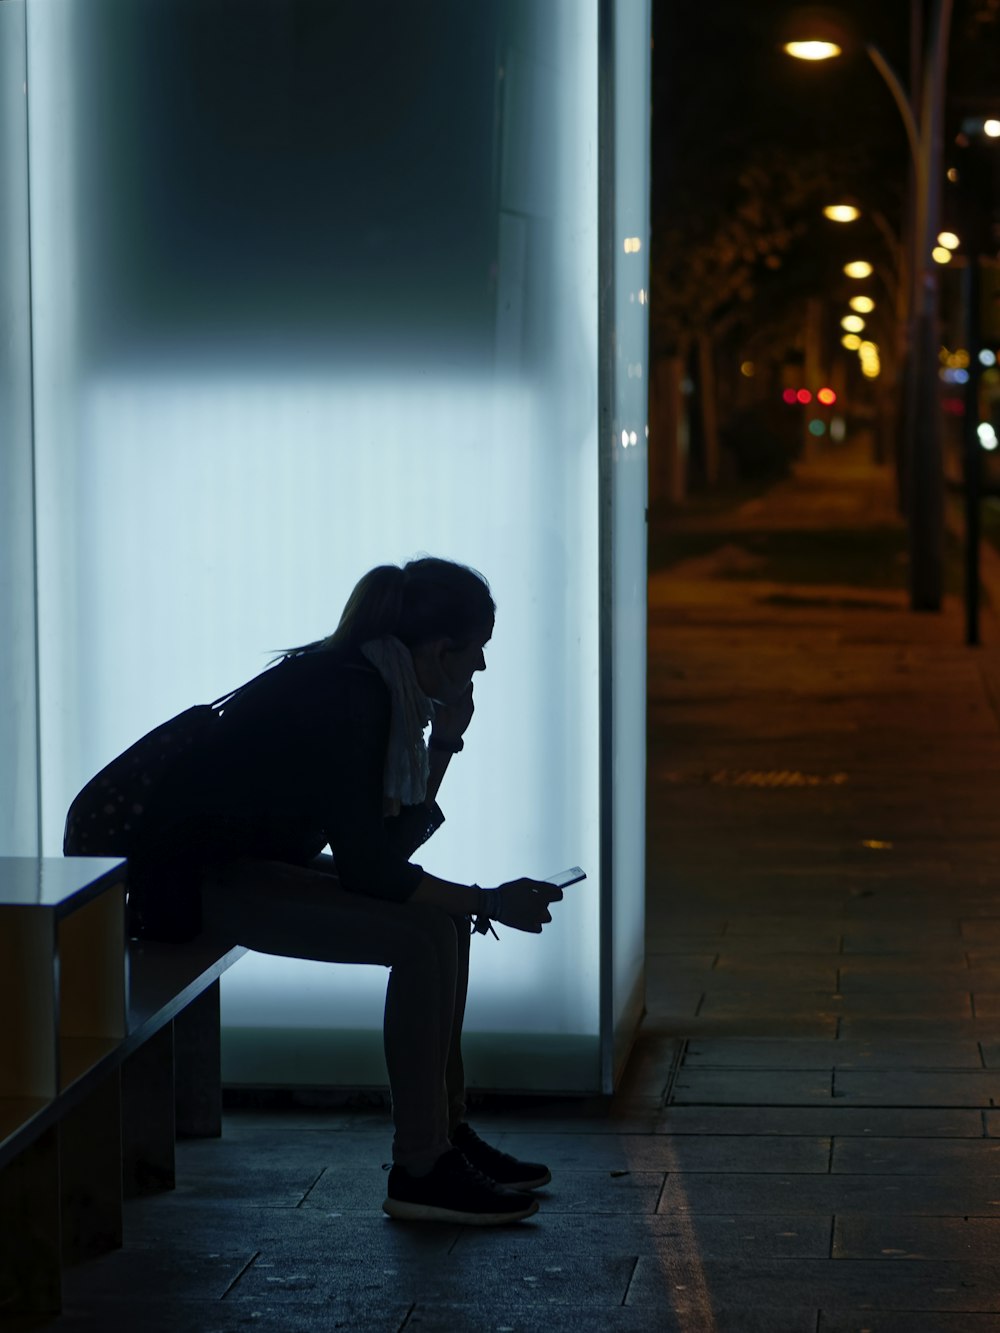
{"points": [[565, 877]]}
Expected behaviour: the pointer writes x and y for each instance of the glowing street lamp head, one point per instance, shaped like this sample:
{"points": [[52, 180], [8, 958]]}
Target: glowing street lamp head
{"points": [[858, 268], [852, 341], [852, 323], [991, 128], [812, 50], [940, 255], [949, 240], [841, 212], [864, 305]]}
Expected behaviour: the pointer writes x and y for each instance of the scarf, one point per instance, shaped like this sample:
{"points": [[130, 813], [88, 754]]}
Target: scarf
{"points": [[407, 765]]}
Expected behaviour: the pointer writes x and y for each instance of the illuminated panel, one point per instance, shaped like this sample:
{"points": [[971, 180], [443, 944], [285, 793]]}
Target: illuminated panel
{"points": [[628, 481], [243, 406], [18, 739]]}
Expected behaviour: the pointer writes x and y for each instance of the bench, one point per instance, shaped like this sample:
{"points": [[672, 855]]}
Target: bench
{"points": [[109, 1051]]}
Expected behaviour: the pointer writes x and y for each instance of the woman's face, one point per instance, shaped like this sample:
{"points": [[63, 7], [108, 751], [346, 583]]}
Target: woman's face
{"points": [[445, 669]]}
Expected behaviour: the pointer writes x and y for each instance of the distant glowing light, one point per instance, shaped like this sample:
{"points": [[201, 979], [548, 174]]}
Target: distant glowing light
{"points": [[817, 427], [747, 368], [987, 435], [864, 305], [952, 174], [940, 255], [632, 245], [827, 397], [812, 50], [858, 268], [987, 358], [871, 365], [789, 396], [949, 240], [838, 428], [642, 296], [954, 375], [632, 437], [852, 323], [851, 341], [804, 396], [841, 212], [624, 439], [991, 128]]}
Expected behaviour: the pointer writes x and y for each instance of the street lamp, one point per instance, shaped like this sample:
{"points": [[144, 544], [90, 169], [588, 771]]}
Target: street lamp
{"points": [[922, 114], [841, 212]]}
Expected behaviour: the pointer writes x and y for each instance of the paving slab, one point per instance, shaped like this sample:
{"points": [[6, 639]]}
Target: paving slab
{"points": [[752, 1087], [908, 1321], [665, 1152], [974, 1088], [918, 1238], [882, 1156], [836, 1054], [597, 1279], [814, 1195], [449, 1317], [835, 1119], [973, 1286]]}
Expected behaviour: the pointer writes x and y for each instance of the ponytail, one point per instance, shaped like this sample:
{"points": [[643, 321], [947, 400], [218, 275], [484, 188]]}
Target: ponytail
{"points": [[425, 599]]}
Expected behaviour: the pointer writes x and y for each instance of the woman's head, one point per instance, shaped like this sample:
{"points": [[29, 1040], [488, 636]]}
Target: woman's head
{"points": [[421, 601]]}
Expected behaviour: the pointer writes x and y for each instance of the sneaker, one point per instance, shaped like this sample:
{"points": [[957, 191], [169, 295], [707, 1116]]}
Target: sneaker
{"points": [[454, 1191], [499, 1166]]}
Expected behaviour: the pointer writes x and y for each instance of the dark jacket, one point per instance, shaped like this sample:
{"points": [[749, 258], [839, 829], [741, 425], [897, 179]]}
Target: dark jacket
{"points": [[293, 763]]}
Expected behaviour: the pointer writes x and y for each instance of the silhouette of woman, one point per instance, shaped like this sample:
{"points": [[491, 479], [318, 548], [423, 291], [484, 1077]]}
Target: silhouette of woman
{"points": [[326, 748]]}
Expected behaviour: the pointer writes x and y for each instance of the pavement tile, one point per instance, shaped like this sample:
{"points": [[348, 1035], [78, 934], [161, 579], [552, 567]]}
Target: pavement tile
{"points": [[916, 1156], [713, 1237], [777, 1054], [850, 1282], [821, 1195], [206, 1276], [904, 1088], [665, 1152], [752, 1087], [598, 1279], [835, 1119], [907, 1321], [369, 1314], [962, 1239], [450, 1317]]}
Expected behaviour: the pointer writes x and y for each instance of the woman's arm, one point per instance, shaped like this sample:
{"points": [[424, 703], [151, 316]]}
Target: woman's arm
{"points": [[458, 899]]}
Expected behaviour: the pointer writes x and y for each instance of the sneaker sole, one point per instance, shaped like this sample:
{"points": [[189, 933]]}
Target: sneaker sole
{"points": [[425, 1212], [539, 1183]]}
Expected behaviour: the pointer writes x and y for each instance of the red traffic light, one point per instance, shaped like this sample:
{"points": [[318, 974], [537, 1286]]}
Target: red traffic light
{"points": [[827, 397], [804, 396], [789, 396]]}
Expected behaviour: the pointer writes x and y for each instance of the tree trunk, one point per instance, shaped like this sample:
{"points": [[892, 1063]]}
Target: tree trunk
{"points": [[667, 431], [708, 406]]}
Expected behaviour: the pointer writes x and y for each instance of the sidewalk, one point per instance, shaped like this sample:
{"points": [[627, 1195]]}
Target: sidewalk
{"points": [[806, 1138], [824, 922]]}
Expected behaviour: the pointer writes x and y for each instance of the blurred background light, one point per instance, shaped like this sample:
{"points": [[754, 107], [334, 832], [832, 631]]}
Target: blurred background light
{"points": [[864, 305], [841, 212], [858, 268]]}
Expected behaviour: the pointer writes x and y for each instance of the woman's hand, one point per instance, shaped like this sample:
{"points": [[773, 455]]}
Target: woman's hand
{"points": [[525, 904], [451, 723]]}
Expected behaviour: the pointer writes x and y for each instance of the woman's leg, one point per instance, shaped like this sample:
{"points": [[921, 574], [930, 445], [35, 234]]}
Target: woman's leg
{"points": [[454, 1069], [303, 912]]}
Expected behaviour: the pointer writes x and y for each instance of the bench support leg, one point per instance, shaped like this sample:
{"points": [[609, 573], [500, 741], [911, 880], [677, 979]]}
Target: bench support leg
{"points": [[90, 1169], [198, 1067], [148, 1128], [30, 1279]]}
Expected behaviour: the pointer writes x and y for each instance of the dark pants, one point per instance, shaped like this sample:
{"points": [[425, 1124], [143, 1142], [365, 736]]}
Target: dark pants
{"points": [[303, 912]]}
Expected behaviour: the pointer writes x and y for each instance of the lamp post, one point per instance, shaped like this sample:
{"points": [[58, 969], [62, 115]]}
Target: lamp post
{"points": [[922, 113]]}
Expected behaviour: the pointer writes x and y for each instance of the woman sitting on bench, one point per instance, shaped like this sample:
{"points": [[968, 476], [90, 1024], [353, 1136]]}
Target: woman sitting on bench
{"points": [[327, 748]]}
